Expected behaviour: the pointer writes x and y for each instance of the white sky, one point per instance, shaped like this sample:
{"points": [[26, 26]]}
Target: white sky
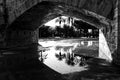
{"points": [[53, 24]]}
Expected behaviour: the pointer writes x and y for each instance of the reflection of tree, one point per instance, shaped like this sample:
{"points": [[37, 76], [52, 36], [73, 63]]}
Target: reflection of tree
{"points": [[83, 62], [71, 59], [42, 56], [60, 56], [69, 62]]}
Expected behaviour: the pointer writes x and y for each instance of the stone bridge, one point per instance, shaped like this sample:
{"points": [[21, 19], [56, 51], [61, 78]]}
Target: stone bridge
{"points": [[20, 19]]}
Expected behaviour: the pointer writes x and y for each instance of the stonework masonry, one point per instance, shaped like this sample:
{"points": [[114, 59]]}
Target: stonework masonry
{"points": [[17, 7], [1, 13], [116, 55], [113, 33], [19, 38]]}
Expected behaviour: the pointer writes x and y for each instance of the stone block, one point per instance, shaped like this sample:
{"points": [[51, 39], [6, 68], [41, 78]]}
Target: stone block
{"points": [[119, 7], [75, 2], [81, 3], [107, 9], [1, 20], [66, 1]]}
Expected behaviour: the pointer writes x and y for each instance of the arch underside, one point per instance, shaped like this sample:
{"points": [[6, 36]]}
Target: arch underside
{"points": [[42, 13]]}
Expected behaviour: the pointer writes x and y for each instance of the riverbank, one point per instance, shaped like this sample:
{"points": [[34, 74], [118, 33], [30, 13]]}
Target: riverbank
{"points": [[57, 39]]}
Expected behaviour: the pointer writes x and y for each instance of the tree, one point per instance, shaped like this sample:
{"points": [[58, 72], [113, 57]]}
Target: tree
{"points": [[60, 20], [44, 31]]}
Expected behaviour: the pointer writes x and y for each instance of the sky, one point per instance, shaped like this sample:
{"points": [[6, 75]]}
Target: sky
{"points": [[53, 22]]}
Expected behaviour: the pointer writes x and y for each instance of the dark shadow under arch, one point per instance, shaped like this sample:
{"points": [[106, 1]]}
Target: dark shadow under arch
{"points": [[45, 11]]}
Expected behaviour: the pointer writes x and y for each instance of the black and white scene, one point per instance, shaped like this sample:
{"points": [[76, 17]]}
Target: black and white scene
{"points": [[59, 40]]}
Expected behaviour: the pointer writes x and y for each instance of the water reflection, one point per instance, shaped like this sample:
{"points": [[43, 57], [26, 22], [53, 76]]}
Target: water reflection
{"points": [[67, 56], [42, 56], [71, 59]]}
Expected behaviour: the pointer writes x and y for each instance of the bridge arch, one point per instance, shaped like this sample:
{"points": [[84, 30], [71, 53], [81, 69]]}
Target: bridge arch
{"points": [[55, 9], [26, 23]]}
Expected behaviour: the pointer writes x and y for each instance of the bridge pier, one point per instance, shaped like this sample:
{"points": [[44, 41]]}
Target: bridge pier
{"points": [[21, 38], [116, 54]]}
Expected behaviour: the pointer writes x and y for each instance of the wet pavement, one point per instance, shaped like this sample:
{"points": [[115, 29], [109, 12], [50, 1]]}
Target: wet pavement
{"points": [[56, 62]]}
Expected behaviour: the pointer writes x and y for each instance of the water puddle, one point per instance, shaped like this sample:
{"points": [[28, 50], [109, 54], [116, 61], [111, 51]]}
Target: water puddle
{"points": [[68, 55]]}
